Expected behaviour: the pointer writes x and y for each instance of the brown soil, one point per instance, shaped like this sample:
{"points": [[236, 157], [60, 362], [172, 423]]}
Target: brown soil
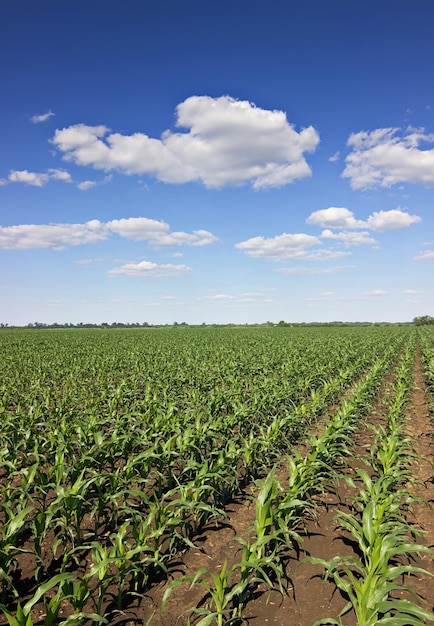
{"points": [[420, 428]]}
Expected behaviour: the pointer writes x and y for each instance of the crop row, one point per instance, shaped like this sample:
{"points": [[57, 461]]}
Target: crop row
{"points": [[381, 569], [426, 337], [118, 449], [283, 508]]}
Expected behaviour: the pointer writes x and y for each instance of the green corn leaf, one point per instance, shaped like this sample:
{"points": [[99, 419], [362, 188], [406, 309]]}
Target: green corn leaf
{"points": [[42, 590], [406, 609]]}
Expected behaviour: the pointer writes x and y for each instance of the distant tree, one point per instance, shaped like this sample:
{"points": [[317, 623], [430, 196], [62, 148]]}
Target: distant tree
{"points": [[423, 320]]}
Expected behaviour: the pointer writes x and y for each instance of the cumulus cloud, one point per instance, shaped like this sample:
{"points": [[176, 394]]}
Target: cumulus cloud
{"points": [[38, 179], [86, 184], [390, 220], [380, 221], [147, 269], [37, 119], [228, 142], [285, 246], [306, 247], [288, 246], [157, 233], [58, 236], [349, 237], [89, 184], [334, 217], [388, 156]]}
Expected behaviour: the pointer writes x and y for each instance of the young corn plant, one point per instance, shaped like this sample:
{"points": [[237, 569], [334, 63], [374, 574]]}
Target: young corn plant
{"points": [[23, 617], [227, 590], [12, 527], [381, 532]]}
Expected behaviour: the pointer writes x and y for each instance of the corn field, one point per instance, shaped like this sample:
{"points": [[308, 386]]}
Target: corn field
{"points": [[181, 475]]}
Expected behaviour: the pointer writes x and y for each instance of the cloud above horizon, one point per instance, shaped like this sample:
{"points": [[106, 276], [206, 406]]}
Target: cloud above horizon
{"points": [[350, 238], [147, 269], [299, 246], [249, 298], [229, 142], [388, 156], [380, 221], [288, 246], [59, 236], [38, 179], [427, 255], [37, 119]]}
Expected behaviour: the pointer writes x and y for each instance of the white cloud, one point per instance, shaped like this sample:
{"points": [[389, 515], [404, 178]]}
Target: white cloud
{"points": [[334, 217], [157, 233], [285, 246], [410, 292], [95, 260], [38, 179], [379, 221], [390, 220], [288, 246], [254, 297], [147, 269], [326, 255], [28, 178], [37, 119], [425, 256], [55, 174], [87, 184], [388, 156], [335, 157], [314, 270], [58, 236], [377, 292], [350, 238], [229, 142]]}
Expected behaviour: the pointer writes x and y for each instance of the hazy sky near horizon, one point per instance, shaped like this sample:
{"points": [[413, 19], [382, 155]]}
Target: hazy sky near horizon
{"points": [[216, 162]]}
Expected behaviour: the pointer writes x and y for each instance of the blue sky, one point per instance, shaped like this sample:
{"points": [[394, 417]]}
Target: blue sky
{"points": [[216, 162]]}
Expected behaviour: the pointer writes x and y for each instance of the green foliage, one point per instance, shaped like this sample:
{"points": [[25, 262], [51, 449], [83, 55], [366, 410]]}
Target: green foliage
{"points": [[423, 320], [127, 444]]}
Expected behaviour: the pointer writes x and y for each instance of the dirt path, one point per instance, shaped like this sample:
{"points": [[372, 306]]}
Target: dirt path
{"points": [[420, 426]]}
